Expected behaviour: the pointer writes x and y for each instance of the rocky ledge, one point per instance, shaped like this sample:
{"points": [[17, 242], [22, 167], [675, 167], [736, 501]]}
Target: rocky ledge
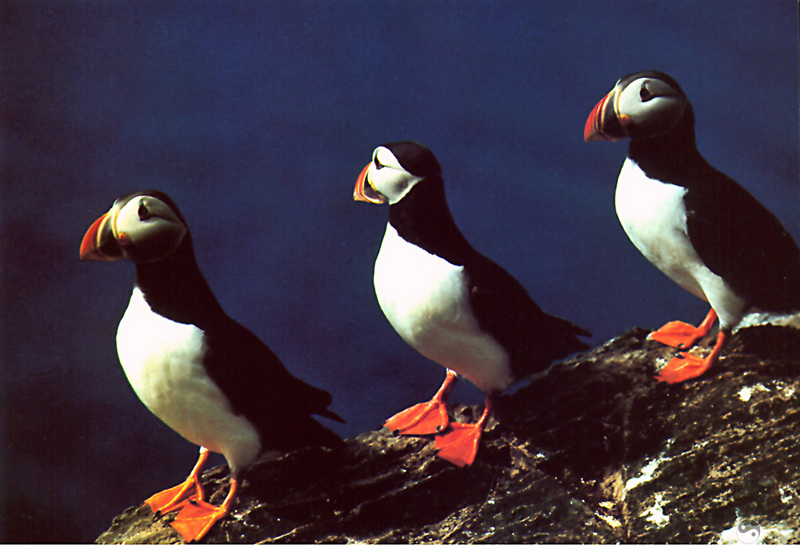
{"points": [[595, 450]]}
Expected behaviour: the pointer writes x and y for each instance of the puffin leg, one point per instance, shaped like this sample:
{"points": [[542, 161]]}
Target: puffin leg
{"points": [[686, 366], [428, 417], [197, 517], [682, 335], [459, 445], [175, 497]]}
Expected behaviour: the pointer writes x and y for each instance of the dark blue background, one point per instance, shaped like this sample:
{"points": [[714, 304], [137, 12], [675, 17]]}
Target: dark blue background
{"points": [[256, 117]]}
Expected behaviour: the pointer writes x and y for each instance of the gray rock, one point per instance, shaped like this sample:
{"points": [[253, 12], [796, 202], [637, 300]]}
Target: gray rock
{"points": [[594, 450]]}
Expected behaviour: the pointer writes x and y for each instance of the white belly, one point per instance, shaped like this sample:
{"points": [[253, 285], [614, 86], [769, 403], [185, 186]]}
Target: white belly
{"points": [[163, 362], [653, 215], [425, 299]]}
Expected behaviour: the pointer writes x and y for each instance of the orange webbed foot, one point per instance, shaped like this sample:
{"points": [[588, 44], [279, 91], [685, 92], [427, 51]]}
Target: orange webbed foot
{"points": [[425, 418], [459, 445], [198, 517], [683, 335], [686, 366], [175, 497], [683, 367], [421, 419], [677, 335]]}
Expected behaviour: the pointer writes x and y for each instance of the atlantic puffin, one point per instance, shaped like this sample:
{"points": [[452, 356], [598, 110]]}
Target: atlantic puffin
{"points": [[694, 223], [451, 303], [206, 376]]}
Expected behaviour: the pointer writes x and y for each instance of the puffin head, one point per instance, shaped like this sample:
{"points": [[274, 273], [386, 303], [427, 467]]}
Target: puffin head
{"points": [[395, 168], [641, 105], [145, 226]]}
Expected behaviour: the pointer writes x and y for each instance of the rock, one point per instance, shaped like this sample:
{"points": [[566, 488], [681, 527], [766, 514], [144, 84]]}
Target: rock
{"points": [[594, 450]]}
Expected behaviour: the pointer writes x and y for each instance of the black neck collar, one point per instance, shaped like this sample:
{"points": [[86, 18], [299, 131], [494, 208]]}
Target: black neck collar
{"points": [[423, 218], [175, 288], [671, 157]]}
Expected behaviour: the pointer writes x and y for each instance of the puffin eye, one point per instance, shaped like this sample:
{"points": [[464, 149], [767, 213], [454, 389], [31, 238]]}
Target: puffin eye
{"points": [[144, 213], [378, 164], [645, 94]]}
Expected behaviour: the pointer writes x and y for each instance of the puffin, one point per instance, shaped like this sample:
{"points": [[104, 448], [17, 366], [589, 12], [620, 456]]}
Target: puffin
{"points": [[452, 304], [203, 374], [695, 224]]}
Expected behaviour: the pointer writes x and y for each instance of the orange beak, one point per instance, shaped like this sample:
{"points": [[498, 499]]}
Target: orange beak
{"points": [[99, 243], [603, 123], [365, 191]]}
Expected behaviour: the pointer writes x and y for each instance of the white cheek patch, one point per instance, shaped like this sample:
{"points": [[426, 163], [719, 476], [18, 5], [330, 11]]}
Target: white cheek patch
{"points": [[391, 180], [655, 115], [154, 235], [392, 183]]}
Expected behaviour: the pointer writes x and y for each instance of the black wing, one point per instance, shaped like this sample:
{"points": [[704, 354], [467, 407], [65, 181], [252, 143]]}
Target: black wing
{"points": [[533, 338], [743, 242], [259, 386]]}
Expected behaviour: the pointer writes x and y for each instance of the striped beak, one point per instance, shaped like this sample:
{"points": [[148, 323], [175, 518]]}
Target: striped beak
{"points": [[99, 242], [603, 123], [364, 190]]}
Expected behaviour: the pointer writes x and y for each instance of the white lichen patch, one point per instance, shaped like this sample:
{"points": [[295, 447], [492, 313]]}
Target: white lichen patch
{"points": [[747, 391], [655, 513], [647, 472], [645, 475], [780, 532], [788, 494], [608, 519], [786, 391], [661, 362], [732, 536], [764, 318]]}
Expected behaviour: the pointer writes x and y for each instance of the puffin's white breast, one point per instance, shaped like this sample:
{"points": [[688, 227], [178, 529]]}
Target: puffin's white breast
{"points": [[425, 298], [163, 362], [653, 215]]}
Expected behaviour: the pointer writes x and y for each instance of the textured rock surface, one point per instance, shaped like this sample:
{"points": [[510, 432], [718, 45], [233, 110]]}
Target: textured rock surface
{"points": [[595, 450]]}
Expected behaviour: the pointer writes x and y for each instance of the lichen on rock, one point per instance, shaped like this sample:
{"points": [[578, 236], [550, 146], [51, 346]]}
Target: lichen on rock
{"points": [[594, 450]]}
